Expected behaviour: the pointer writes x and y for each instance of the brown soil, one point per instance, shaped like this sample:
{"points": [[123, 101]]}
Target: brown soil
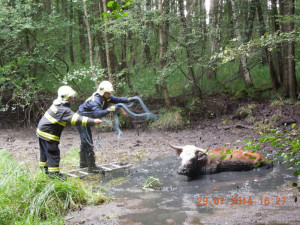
{"points": [[221, 123]]}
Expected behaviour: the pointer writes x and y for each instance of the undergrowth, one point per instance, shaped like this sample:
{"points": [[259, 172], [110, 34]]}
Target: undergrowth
{"points": [[171, 120], [34, 198]]}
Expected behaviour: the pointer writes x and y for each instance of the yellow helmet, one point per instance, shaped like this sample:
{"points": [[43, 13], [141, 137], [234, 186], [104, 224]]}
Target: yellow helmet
{"points": [[64, 92], [105, 86]]}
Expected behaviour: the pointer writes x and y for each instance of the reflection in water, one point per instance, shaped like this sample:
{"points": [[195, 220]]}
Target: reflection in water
{"points": [[178, 198]]}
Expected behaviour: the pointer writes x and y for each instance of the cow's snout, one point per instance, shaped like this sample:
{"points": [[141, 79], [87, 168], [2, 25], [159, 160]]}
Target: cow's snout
{"points": [[182, 171]]}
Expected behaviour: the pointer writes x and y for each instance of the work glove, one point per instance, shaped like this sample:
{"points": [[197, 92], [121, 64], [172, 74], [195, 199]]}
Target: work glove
{"points": [[112, 108], [132, 99]]}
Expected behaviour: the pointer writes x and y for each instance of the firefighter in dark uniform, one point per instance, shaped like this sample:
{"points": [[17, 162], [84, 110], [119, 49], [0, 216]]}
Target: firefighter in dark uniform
{"points": [[51, 126], [96, 106]]}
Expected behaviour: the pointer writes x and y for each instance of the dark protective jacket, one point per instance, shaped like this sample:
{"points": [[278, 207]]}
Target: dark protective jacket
{"points": [[56, 118], [96, 106]]}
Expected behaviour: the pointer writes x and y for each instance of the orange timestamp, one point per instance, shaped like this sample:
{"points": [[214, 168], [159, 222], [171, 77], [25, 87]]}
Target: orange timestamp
{"points": [[241, 201]]}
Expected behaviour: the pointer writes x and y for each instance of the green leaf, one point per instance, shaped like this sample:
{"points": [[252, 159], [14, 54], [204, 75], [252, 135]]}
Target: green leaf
{"points": [[110, 3], [223, 157], [293, 126], [117, 16], [228, 151], [116, 7], [252, 157], [297, 173]]}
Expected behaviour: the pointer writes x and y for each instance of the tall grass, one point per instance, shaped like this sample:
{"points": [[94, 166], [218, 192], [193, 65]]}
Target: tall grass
{"points": [[170, 120], [34, 198]]}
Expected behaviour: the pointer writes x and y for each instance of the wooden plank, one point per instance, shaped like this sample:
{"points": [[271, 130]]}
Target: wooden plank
{"points": [[108, 167]]}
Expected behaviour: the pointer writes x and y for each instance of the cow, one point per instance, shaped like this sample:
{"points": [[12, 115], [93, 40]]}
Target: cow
{"points": [[197, 161]]}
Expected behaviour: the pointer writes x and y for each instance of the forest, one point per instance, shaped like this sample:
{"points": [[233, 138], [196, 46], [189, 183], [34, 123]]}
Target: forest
{"points": [[154, 49]]}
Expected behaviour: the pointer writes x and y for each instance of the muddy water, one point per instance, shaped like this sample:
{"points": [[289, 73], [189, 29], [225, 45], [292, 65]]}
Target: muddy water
{"points": [[181, 199]]}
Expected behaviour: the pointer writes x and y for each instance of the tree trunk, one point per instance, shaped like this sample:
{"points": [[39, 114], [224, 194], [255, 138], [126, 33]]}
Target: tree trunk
{"points": [[146, 35], [163, 44], [191, 72], [272, 70], [98, 10], [214, 20], [82, 40], [290, 81], [90, 42], [106, 44], [278, 55], [124, 66], [229, 15], [64, 13], [71, 49], [243, 59]]}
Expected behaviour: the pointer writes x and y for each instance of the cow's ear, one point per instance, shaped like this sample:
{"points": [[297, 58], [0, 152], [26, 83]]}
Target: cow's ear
{"points": [[178, 151], [200, 155]]}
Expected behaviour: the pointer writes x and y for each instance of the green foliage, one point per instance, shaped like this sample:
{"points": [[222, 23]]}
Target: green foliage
{"points": [[116, 9], [151, 184], [34, 198], [270, 41], [36, 42], [287, 143]]}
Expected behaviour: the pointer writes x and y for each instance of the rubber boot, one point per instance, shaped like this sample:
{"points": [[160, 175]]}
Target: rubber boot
{"points": [[92, 167], [83, 160], [57, 175]]}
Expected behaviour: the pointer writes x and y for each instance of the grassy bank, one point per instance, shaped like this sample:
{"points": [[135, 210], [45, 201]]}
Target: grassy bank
{"points": [[34, 198]]}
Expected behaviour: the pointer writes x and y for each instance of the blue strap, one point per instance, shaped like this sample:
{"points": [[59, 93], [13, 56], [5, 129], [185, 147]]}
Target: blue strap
{"points": [[147, 114]]}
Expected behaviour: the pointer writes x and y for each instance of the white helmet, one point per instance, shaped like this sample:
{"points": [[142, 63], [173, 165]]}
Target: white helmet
{"points": [[105, 86], [64, 92]]}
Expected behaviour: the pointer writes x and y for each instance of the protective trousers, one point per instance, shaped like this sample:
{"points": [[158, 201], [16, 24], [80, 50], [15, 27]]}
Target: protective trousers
{"points": [[49, 156], [87, 154]]}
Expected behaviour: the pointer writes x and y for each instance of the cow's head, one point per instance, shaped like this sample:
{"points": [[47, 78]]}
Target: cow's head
{"points": [[192, 159]]}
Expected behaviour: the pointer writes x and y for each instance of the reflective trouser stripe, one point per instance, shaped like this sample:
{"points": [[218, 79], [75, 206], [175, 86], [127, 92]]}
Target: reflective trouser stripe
{"points": [[84, 120], [43, 164], [53, 120], [74, 118], [47, 135], [53, 169]]}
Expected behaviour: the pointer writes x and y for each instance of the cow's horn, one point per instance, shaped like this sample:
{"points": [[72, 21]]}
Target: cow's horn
{"points": [[201, 149], [176, 147]]}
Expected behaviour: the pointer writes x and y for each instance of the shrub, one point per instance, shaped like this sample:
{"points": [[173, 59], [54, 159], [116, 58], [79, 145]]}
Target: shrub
{"points": [[171, 120]]}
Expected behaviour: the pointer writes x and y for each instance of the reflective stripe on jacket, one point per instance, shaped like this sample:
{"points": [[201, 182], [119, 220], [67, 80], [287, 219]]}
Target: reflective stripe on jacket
{"points": [[56, 118], [96, 106]]}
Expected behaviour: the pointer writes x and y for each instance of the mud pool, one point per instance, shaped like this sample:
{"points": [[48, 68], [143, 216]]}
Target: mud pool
{"points": [[181, 200]]}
